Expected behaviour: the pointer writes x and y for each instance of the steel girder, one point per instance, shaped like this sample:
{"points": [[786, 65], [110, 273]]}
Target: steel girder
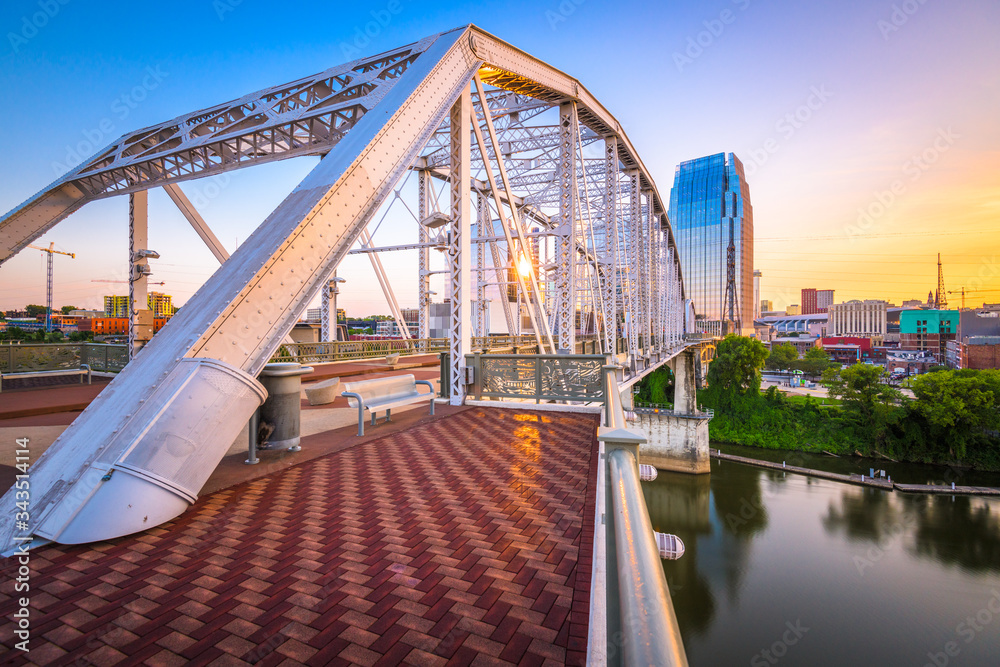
{"points": [[566, 230], [239, 317], [460, 248], [423, 262], [304, 117]]}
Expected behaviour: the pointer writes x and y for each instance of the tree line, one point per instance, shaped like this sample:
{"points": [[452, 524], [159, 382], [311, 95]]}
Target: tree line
{"points": [[952, 417]]}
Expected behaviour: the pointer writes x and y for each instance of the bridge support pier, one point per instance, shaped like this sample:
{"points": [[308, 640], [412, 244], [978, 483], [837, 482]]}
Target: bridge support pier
{"points": [[678, 440]]}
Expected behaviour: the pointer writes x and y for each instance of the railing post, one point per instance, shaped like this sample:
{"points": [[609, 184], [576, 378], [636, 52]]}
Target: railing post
{"points": [[538, 380], [477, 365], [609, 386], [444, 366]]}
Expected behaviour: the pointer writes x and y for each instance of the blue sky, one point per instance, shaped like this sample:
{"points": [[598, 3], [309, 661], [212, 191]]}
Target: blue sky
{"points": [[827, 103]]}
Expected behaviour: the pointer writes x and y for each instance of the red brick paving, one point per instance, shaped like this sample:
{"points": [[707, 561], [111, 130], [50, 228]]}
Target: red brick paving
{"points": [[465, 539]]}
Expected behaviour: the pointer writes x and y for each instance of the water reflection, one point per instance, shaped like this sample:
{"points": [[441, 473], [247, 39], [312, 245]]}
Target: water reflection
{"points": [[865, 514], [764, 548], [681, 503], [951, 530], [959, 530]]}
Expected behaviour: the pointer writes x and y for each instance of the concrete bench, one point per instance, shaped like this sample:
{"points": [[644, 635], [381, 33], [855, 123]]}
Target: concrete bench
{"points": [[385, 394], [83, 370], [323, 392]]}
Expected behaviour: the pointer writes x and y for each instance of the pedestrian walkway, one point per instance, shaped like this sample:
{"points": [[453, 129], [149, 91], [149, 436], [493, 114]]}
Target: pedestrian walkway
{"points": [[465, 538]]}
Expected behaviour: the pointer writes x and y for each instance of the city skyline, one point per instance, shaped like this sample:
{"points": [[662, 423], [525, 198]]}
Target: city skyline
{"points": [[868, 154]]}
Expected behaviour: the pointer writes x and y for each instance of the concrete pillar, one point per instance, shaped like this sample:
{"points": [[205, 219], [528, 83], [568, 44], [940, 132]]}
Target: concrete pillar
{"points": [[627, 401], [677, 440], [675, 443], [685, 387]]}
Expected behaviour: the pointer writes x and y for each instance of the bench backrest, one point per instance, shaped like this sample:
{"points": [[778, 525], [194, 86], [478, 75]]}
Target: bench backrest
{"points": [[396, 386]]}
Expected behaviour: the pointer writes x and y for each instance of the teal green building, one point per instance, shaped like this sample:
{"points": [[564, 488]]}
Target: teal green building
{"points": [[928, 322]]}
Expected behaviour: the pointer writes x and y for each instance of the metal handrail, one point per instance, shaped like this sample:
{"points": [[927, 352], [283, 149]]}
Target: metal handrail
{"points": [[650, 634]]}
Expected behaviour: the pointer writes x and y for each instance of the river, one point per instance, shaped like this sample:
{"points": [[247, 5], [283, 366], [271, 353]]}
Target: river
{"points": [[790, 570]]}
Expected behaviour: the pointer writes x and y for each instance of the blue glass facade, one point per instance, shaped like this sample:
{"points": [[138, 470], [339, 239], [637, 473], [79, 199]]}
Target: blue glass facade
{"points": [[708, 195]]}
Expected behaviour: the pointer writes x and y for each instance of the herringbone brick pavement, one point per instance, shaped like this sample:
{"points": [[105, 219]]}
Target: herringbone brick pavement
{"points": [[466, 540]]}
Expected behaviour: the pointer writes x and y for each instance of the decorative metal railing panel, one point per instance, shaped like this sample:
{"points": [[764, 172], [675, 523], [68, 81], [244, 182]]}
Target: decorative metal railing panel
{"points": [[667, 410], [313, 353], [108, 358], [60, 356], [25, 358], [538, 377]]}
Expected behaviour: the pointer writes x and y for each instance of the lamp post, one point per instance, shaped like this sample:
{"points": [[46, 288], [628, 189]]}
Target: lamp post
{"points": [[329, 332]]}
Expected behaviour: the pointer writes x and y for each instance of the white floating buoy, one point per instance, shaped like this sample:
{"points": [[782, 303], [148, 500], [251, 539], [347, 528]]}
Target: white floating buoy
{"points": [[647, 473], [671, 547]]}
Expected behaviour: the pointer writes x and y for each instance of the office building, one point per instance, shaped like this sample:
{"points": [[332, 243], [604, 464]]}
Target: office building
{"points": [[816, 300], [862, 319], [824, 299], [794, 309], [976, 352], [928, 331], [766, 306], [809, 301], [709, 208]]}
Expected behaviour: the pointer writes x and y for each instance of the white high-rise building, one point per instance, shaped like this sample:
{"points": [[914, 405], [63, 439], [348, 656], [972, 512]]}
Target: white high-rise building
{"points": [[862, 319]]}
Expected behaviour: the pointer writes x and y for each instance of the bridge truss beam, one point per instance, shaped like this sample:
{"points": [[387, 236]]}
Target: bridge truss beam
{"points": [[584, 217]]}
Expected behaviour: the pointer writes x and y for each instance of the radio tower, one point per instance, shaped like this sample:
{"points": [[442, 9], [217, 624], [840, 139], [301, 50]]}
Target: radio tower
{"points": [[940, 296], [732, 305]]}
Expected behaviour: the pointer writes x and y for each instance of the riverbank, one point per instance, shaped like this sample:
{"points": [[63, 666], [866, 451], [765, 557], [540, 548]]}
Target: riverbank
{"points": [[860, 479]]}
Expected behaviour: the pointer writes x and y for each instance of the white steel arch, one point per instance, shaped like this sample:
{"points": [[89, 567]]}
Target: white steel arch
{"points": [[557, 184]]}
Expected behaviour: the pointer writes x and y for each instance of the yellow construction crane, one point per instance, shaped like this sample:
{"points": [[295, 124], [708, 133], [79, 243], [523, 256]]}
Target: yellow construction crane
{"points": [[959, 291], [51, 250]]}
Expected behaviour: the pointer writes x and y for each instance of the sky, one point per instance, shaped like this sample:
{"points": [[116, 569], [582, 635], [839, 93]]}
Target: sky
{"points": [[868, 128]]}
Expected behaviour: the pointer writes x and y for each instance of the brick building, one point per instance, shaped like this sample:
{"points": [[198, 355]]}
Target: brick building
{"points": [[928, 331], [809, 305], [975, 352]]}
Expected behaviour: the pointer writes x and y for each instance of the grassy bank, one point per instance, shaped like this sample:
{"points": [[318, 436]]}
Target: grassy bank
{"points": [[802, 423]]}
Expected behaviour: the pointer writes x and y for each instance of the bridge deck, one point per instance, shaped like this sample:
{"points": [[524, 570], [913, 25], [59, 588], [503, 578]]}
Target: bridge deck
{"points": [[464, 538]]}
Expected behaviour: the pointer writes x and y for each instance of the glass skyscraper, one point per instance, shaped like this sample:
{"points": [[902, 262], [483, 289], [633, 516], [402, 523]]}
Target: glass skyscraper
{"points": [[709, 200]]}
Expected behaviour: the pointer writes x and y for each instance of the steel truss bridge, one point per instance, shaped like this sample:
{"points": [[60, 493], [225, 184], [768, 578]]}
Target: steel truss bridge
{"points": [[525, 181]]}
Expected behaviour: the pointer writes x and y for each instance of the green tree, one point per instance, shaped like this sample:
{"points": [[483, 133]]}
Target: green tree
{"points": [[34, 310], [782, 357], [959, 406], [67, 309], [866, 397], [734, 374], [657, 387], [814, 362]]}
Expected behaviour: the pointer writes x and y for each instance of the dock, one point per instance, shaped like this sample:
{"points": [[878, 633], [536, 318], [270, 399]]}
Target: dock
{"points": [[940, 489], [861, 480]]}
